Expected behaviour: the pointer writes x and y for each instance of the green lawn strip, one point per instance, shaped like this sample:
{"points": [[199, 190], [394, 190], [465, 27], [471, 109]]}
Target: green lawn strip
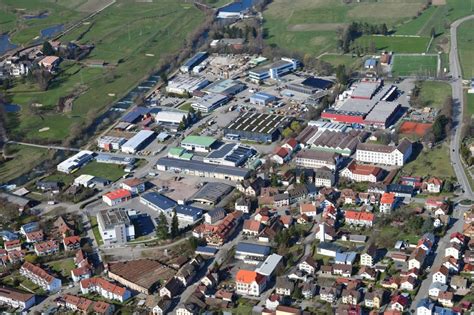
{"points": [[434, 93], [469, 109], [410, 65], [417, 24], [63, 266], [95, 230], [466, 48], [186, 107], [431, 162], [348, 60], [111, 172], [396, 44]]}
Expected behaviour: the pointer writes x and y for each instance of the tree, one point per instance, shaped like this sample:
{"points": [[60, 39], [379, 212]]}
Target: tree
{"points": [[198, 114], [287, 132], [164, 77], [162, 227], [303, 178], [274, 180], [174, 225], [341, 74], [47, 49]]}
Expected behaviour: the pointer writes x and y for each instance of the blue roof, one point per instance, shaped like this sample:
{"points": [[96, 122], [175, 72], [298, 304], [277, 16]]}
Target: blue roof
{"points": [[426, 303], [159, 200], [135, 114], [252, 248], [189, 210], [195, 59], [438, 310], [206, 249], [263, 96], [397, 188], [237, 6], [370, 62]]}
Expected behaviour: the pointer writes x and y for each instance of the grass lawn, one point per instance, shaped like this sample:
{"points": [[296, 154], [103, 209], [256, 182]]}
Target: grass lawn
{"points": [[434, 162], [394, 43], [186, 107], [95, 230], [469, 104], [434, 93], [310, 26], [111, 172], [347, 60], [466, 48], [398, 235], [414, 65], [132, 37], [23, 156], [63, 266]]}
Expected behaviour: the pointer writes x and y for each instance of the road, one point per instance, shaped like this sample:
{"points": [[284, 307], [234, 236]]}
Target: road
{"points": [[458, 108]]}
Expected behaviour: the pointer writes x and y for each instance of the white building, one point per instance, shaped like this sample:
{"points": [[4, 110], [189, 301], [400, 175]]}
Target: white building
{"points": [[137, 142], [75, 162], [317, 159], [383, 154], [84, 180], [105, 289], [249, 282], [21, 301], [209, 102], [115, 226], [40, 277], [182, 84], [109, 143]]}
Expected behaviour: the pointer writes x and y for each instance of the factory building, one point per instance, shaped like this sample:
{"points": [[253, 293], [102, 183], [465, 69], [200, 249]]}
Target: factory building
{"points": [[209, 102], [108, 143], [230, 154], [183, 84], [256, 127], [274, 71], [75, 162], [310, 85], [227, 87], [262, 99], [198, 143], [384, 154], [193, 62], [170, 119], [138, 141]]}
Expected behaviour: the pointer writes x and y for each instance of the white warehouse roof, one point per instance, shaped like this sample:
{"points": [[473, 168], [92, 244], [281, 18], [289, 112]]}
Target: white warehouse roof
{"points": [[170, 117]]}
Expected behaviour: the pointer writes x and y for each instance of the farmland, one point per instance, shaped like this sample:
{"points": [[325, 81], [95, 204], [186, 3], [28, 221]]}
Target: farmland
{"points": [[466, 48], [409, 65], [132, 38], [394, 43]]}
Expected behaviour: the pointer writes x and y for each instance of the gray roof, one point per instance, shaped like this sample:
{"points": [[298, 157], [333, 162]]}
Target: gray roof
{"points": [[212, 192], [252, 248], [188, 210], [113, 217], [202, 167], [159, 200], [257, 122]]}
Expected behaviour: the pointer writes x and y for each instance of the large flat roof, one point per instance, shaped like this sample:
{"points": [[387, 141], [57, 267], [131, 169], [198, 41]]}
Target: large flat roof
{"points": [[203, 167], [269, 265], [252, 248], [257, 122], [112, 217], [212, 192], [138, 139], [199, 140]]}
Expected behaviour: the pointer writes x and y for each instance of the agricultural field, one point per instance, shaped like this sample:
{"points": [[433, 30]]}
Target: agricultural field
{"points": [[311, 26], [347, 60], [394, 43], [132, 37], [466, 48], [411, 65]]}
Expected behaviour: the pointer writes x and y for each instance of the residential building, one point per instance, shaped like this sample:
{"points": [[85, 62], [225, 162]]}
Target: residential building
{"points": [[284, 286], [72, 242], [46, 248], [40, 277], [383, 154], [324, 177], [441, 275], [21, 301], [317, 159], [105, 289], [359, 218], [249, 283], [433, 185], [362, 173], [368, 257], [387, 203], [133, 185], [308, 265], [425, 307]]}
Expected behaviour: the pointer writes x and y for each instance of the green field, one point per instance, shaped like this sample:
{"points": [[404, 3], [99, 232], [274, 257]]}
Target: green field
{"points": [[394, 43], [466, 48], [63, 266], [434, 162], [407, 65], [123, 35], [22, 156], [310, 26], [470, 104], [111, 172], [347, 60], [95, 230], [434, 93]]}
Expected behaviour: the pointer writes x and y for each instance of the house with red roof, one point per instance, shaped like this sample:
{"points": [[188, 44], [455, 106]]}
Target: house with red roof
{"points": [[249, 282], [399, 303], [362, 173], [36, 236], [40, 277], [457, 237], [105, 289], [434, 202], [291, 144], [308, 209], [16, 256], [83, 268], [12, 245], [252, 227], [433, 185], [46, 248], [282, 155], [359, 218], [85, 306], [72, 242], [116, 197], [387, 202]]}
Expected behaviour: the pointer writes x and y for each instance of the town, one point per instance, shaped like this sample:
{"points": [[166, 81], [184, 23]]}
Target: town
{"points": [[244, 183]]}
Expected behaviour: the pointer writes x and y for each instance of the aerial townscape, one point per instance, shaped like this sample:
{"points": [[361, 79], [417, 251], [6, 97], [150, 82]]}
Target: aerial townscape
{"points": [[241, 157]]}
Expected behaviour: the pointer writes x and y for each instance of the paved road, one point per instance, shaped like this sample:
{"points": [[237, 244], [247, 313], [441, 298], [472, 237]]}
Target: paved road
{"points": [[458, 101]]}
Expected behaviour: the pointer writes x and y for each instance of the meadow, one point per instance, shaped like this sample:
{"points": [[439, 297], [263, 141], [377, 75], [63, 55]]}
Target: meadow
{"points": [[132, 38], [434, 93], [466, 48], [413, 65]]}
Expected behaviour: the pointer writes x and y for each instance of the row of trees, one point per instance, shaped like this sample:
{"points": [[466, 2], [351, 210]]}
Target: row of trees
{"points": [[352, 31], [163, 229]]}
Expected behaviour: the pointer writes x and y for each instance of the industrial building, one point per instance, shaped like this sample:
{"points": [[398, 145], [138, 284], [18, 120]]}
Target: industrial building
{"points": [[198, 143], [262, 99], [251, 253], [201, 169], [111, 159], [211, 193], [134, 116], [187, 214], [227, 87], [184, 84], [383, 115], [384, 154], [170, 119], [256, 127], [158, 202], [209, 102], [310, 85], [138, 141], [230, 154], [109, 143], [273, 71], [75, 162], [193, 62], [115, 226]]}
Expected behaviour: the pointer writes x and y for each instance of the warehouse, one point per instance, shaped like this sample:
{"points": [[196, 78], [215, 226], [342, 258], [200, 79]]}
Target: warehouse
{"points": [[170, 119], [274, 71], [235, 10], [365, 89], [187, 214], [262, 99], [198, 143], [138, 141], [184, 84], [110, 159], [310, 85], [201, 169], [193, 62], [209, 102], [211, 193], [135, 115], [108, 143], [256, 127], [75, 162], [227, 87], [251, 253], [383, 114], [230, 154], [158, 202]]}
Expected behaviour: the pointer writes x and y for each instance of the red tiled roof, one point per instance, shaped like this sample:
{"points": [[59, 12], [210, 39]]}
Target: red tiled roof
{"points": [[388, 198], [252, 225], [104, 284], [360, 216], [39, 272], [307, 207], [247, 276], [71, 240], [118, 194]]}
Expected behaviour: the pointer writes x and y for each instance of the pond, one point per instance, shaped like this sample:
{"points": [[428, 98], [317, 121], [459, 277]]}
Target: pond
{"points": [[12, 108], [5, 44], [238, 6]]}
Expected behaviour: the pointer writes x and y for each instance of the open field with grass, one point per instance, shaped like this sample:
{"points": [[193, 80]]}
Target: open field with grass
{"points": [[347, 60], [310, 26], [408, 65], [434, 93], [123, 35], [95, 230], [434, 162], [394, 43], [111, 172], [22, 157], [466, 48], [63, 266], [470, 104]]}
